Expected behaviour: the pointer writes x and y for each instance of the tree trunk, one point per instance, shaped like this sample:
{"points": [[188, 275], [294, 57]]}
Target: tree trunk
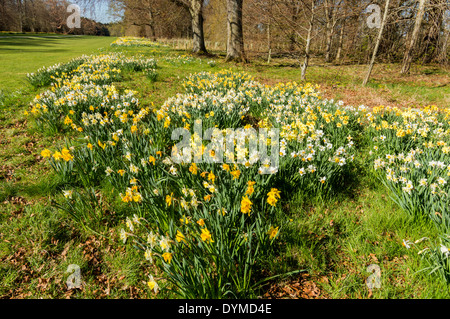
{"points": [[32, 17], [442, 57], [3, 23], [292, 36], [269, 44], [341, 41], [407, 58], [20, 13], [432, 39], [377, 44], [235, 43], [269, 34], [152, 25], [329, 15], [196, 10], [308, 43], [328, 46]]}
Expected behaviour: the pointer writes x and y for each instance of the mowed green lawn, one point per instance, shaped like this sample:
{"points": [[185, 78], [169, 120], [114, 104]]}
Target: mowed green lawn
{"points": [[20, 55]]}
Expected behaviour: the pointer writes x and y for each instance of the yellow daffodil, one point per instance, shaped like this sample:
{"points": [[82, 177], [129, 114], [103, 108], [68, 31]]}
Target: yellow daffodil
{"points": [[180, 237], [169, 199], [250, 188], [167, 257], [201, 222], [272, 232], [206, 235], [235, 174], [246, 205], [273, 196], [193, 168], [152, 284], [46, 153]]}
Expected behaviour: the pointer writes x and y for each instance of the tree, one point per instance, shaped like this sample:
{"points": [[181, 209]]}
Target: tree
{"points": [[139, 13], [20, 13], [443, 55], [308, 41], [433, 31], [377, 44], [407, 59], [195, 8], [235, 34], [331, 20], [153, 18], [340, 43], [269, 37]]}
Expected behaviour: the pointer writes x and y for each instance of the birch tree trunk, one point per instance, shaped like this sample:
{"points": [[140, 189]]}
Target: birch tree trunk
{"points": [[377, 44], [407, 58], [235, 34], [308, 43]]}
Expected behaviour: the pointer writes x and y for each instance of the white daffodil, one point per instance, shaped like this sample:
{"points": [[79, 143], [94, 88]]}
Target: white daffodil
{"points": [[68, 194], [152, 284], [444, 250]]}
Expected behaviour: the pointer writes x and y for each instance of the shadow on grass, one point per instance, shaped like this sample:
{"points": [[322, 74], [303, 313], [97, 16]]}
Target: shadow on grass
{"points": [[46, 186]]}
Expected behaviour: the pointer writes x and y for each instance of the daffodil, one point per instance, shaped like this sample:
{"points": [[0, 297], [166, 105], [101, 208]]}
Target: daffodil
{"points": [[167, 257], [169, 200], [57, 155], [148, 255], [201, 222], [129, 224], [68, 194], [211, 177], [65, 154], [180, 237], [152, 284], [246, 205], [235, 173], [152, 239], [272, 232], [273, 196], [123, 235], [193, 168], [164, 243], [206, 235], [46, 153]]}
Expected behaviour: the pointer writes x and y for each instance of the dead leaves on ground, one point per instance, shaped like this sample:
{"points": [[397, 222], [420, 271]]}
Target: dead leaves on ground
{"points": [[302, 287]]}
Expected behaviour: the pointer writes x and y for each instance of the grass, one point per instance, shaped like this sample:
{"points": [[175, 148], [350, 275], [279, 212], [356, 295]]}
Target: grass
{"points": [[386, 86], [337, 240], [20, 56], [334, 241]]}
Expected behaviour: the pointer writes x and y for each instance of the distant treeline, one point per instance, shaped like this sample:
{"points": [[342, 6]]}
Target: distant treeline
{"points": [[44, 16], [336, 30]]}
